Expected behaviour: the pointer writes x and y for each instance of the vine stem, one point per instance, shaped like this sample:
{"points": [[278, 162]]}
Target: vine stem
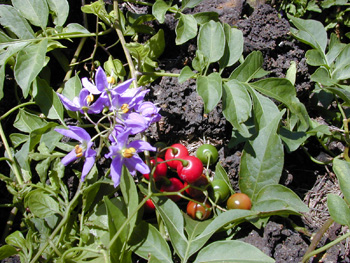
{"points": [[15, 108], [63, 222], [118, 29], [14, 165]]}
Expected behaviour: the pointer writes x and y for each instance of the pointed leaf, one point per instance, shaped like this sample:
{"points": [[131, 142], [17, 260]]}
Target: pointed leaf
{"points": [[47, 99], [36, 11], [185, 74], [230, 251], [211, 41], [186, 29], [190, 3], [236, 105], [249, 68], [11, 19], [220, 173], [262, 160], [173, 219], [41, 204], [338, 209], [210, 90], [159, 8], [342, 170], [60, 11], [30, 62], [146, 241], [233, 48], [72, 88], [6, 251], [28, 122]]}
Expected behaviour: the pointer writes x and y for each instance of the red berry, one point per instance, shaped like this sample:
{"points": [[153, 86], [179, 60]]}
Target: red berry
{"points": [[177, 150]]}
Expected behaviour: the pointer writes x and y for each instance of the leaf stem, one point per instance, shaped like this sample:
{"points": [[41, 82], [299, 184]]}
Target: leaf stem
{"points": [[15, 108]]}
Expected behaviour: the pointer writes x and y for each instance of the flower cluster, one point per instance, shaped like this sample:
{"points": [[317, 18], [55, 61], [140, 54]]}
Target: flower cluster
{"points": [[128, 114]]}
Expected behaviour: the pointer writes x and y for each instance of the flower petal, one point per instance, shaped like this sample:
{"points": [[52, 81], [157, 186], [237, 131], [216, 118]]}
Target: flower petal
{"points": [[141, 146], [68, 104], [89, 162], [76, 133], [70, 157], [136, 163], [101, 80], [136, 123], [116, 169], [89, 86], [123, 86]]}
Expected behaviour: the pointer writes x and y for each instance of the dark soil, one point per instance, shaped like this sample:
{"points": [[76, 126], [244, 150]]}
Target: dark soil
{"points": [[184, 121]]}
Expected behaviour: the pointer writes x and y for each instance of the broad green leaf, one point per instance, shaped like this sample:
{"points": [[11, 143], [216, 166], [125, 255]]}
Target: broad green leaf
{"points": [[204, 17], [342, 93], [159, 9], [50, 138], [36, 11], [262, 160], [41, 204], [115, 221], [220, 173], [249, 68], [28, 122], [264, 109], [18, 138], [73, 29], [16, 239], [173, 219], [237, 105], [280, 193], [315, 58], [335, 47], [72, 88], [6, 251], [233, 48], [211, 40], [232, 251], [321, 75], [283, 91], [186, 29], [194, 227], [231, 216], [11, 19], [48, 101], [29, 63], [59, 11], [210, 90], [200, 61], [341, 70], [131, 197], [292, 139], [185, 74], [190, 3], [342, 170], [146, 241], [156, 45], [42, 168], [275, 207], [338, 209], [311, 32], [98, 8], [113, 67], [291, 74]]}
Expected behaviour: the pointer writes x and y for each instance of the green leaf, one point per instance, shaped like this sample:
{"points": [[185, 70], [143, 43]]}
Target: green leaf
{"points": [[315, 58], [292, 139], [16, 239], [249, 68], [233, 47], [159, 10], [146, 241], [36, 11], [12, 20], [186, 29], [73, 29], [47, 99], [292, 72], [18, 138], [321, 75], [280, 193], [283, 91], [335, 47], [210, 90], [342, 93], [236, 105], [220, 173], [231, 216], [190, 3], [194, 228], [200, 61], [262, 160], [72, 88], [41, 204], [341, 70], [231, 251], [205, 17], [59, 11], [156, 45], [211, 41], [173, 219], [310, 32], [29, 63], [338, 209], [28, 122], [342, 170], [131, 198], [7, 251], [185, 74]]}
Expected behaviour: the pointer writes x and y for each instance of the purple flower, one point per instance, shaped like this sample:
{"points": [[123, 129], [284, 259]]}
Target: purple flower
{"points": [[100, 81], [149, 111], [80, 150], [82, 103], [124, 153]]}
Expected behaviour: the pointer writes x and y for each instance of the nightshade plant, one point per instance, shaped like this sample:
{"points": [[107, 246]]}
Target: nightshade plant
{"points": [[93, 128]]}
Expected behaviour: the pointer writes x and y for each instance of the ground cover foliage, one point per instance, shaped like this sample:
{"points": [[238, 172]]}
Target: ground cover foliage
{"points": [[266, 83]]}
